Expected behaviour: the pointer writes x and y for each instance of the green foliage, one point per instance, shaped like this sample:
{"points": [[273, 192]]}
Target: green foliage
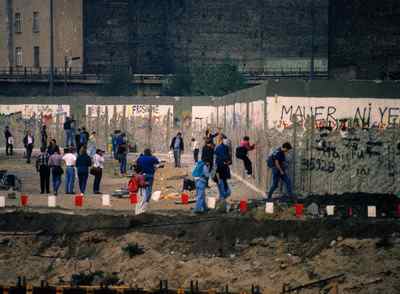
{"points": [[119, 83], [217, 79], [206, 80], [178, 85]]}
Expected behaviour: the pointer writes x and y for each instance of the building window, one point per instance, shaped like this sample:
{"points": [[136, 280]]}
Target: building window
{"points": [[36, 56], [18, 56], [36, 23], [18, 23]]}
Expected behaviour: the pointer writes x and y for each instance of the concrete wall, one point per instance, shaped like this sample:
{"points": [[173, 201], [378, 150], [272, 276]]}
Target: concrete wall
{"points": [[3, 34], [67, 31]]}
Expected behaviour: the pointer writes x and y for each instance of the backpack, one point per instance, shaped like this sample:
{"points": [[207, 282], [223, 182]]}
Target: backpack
{"points": [[198, 170], [241, 152]]}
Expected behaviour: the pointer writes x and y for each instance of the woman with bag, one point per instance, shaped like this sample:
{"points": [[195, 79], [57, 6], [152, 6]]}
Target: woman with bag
{"points": [[97, 170], [55, 161]]}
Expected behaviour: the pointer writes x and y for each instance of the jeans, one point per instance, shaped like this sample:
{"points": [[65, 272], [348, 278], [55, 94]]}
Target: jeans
{"points": [[177, 157], [69, 138], [223, 189], [196, 155], [83, 178], [201, 205], [276, 176], [69, 179], [149, 188], [44, 172], [122, 163], [56, 179], [97, 180], [248, 165]]}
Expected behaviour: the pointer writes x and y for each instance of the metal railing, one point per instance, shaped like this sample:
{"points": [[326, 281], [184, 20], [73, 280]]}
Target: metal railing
{"points": [[71, 74]]}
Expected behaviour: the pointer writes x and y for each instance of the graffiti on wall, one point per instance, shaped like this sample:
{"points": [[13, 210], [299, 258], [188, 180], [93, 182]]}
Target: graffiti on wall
{"points": [[334, 112]]}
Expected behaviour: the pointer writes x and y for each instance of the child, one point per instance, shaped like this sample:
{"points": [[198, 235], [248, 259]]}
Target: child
{"points": [[242, 153], [137, 186], [201, 173]]}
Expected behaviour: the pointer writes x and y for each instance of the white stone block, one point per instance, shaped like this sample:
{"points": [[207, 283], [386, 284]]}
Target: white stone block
{"points": [[371, 211], [211, 202], [330, 210], [51, 201], [2, 201], [269, 207], [106, 200]]}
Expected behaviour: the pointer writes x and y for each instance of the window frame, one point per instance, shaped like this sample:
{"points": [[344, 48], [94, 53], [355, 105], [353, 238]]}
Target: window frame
{"points": [[18, 56], [18, 23], [36, 22]]}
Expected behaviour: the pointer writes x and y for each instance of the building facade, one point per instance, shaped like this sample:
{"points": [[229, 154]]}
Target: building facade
{"points": [[25, 33], [354, 39]]}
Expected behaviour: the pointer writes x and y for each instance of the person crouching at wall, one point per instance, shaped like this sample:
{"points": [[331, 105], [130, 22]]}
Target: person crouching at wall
{"points": [[242, 153]]}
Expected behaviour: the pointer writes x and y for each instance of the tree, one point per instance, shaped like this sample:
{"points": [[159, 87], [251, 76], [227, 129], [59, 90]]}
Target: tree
{"points": [[178, 85], [119, 83], [217, 79], [205, 80]]}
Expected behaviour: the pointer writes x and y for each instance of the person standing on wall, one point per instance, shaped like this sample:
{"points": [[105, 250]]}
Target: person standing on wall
{"points": [[9, 141], [29, 142], [278, 164], [177, 146], [70, 161], [195, 149], [97, 170], [55, 162], [242, 153], [146, 165], [83, 163], [43, 136], [42, 167]]}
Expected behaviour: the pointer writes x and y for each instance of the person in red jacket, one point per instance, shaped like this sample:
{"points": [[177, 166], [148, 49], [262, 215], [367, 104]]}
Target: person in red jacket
{"points": [[242, 153]]}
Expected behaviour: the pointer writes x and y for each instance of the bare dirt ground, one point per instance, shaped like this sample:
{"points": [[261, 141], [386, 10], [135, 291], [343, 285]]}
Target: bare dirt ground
{"points": [[168, 243], [168, 180]]}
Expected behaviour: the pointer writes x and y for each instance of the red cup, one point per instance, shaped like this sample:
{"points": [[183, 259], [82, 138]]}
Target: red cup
{"points": [[185, 198], [243, 206], [350, 211], [24, 200], [78, 200], [299, 209], [133, 198]]}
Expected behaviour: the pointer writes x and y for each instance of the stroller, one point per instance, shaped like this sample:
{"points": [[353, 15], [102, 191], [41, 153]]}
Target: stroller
{"points": [[9, 181]]}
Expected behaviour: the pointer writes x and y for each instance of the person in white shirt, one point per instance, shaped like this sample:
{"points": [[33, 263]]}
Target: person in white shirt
{"points": [[70, 160], [29, 142], [195, 149], [97, 170]]}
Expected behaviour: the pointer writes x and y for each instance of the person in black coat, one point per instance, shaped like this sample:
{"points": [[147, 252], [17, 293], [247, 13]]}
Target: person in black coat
{"points": [[83, 163], [29, 142], [177, 146]]}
